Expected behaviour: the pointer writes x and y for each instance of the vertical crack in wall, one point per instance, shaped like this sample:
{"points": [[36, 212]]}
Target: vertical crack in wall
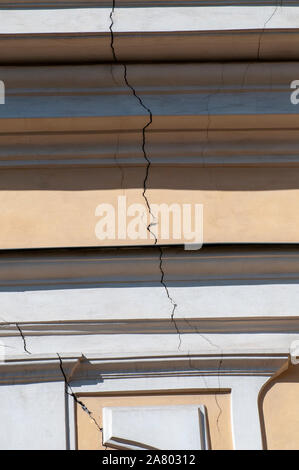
{"points": [[258, 58], [174, 305], [145, 186], [204, 147], [69, 391], [152, 217], [23, 338], [150, 120], [191, 366], [202, 335], [279, 4], [218, 374]]}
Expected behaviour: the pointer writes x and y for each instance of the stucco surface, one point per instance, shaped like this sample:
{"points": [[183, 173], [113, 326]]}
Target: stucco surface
{"points": [[56, 208], [218, 409], [32, 416], [281, 411]]}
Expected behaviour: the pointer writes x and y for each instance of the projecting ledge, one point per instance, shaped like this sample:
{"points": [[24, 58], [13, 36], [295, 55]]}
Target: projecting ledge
{"points": [[200, 31]]}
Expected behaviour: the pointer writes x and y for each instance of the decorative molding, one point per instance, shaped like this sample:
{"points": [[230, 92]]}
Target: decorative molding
{"points": [[71, 116], [187, 149], [135, 3], [183, 30], [259, 325], [87, 267], [167, 427], [92, 368]]}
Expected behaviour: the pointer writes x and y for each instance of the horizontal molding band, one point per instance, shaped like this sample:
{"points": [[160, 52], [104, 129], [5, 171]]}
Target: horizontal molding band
{"points": [[72, 267], [239, 32], [154, 326], [137, 3], [36, 369], [95, 48], [148, 79], [206, 114], [197, 122], [234, 148], [154, 19]]}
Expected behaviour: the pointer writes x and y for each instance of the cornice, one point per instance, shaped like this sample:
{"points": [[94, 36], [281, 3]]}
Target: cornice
{"points": [[129, 3], [50, 268], [175, 148], [199, 30], [258, 325], [90, 367], [205, 114]]}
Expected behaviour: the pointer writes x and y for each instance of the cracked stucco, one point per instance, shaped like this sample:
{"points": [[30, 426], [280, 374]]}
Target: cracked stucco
{"points": [[23, 338], [69, 392], [147, 170], [68, 388], [278, 5]]}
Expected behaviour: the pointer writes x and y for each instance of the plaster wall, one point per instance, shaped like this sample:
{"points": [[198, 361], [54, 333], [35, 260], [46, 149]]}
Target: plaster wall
{"points": [[219, 423], [280, 411], [32, 416], [56, 208]]}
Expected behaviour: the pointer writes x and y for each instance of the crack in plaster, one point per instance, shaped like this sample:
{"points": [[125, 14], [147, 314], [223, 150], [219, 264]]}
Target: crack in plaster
{"points": [[203, 378], [147, 171], [207, 388], [23, 338], [149, 112], [76, 399], [202, 335], [21, 334], [148, 164], [279, 4], [174, 305], [204, 147]]}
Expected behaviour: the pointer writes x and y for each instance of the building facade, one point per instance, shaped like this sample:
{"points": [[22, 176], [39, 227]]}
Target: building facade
{"points": [[149, 185]]}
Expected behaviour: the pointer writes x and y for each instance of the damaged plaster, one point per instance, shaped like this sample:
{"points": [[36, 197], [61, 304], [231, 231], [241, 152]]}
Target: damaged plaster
{"points": [[148, 165]]}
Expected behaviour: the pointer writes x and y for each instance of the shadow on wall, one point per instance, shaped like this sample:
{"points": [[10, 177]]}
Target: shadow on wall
{"points": [[178, 178]]}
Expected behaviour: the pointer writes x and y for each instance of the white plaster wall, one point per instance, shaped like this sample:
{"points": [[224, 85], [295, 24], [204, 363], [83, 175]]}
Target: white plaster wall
{"points": [[32, 416], [206, 301], [152, 19]]}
